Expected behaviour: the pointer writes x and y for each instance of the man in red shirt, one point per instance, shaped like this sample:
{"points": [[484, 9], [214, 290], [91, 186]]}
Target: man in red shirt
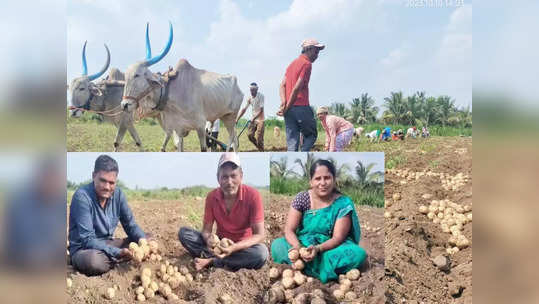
{"points": [[238, 211], [294, 93]]}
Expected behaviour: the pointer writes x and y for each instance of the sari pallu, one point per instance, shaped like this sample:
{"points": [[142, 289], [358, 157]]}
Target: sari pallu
{"points": [[315, 228]]}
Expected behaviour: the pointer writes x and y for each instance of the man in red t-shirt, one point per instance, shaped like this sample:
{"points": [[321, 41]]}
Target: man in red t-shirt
{"points": [[294, 93], [238, 211]]}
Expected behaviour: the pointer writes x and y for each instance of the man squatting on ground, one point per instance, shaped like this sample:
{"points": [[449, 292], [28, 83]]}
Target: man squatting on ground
{"points": [[294, 93], [95, 211], [256, 128], [238, 211]]}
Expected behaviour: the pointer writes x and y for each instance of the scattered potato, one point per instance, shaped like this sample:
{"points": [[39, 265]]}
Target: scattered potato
{"points": [[346, 282], [139, 290], [353, 274], [302, 298], [184, 270], [309, 279], [349, 296], [299, 265], [133, 246], [318, 293], [141, 298], [225, 299], [299, 279], [145, 281], [189, 277], [293, 255], [423, 209], [289, 294], [110, 293], [142, 242], [396, 196], [154, 286], [154, 247], [303, 252], [288, 282], [146, 272], [288, 273], [317, 300], [149, 293], [387, 214], [338, 294], [274, 273], [69, 282], [274, 295]]}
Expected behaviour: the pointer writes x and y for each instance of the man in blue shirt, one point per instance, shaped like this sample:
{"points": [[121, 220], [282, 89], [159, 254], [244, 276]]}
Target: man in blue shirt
{"points": [[95, 211]]}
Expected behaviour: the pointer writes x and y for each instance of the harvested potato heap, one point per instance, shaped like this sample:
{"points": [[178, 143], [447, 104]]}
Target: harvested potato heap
{"points": [[283, 291], [171, 278], [452, 217], [216, 245], [145, 250], [343, 291], [448, 182]]}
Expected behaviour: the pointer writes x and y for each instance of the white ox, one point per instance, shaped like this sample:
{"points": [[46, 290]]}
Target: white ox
{"points": [[102, 96], [194, 97]]}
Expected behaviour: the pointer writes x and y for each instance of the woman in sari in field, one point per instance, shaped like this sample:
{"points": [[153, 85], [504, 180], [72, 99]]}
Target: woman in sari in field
{"points": [[326, 223]]}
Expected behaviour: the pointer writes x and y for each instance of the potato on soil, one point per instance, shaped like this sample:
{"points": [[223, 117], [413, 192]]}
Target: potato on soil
{"points": [[274, 273], [110, 293], [299, 265], [302, 298], [349, 296], [338, 294], [353, 274], [293, 255], [288, 273], [288, 282]]}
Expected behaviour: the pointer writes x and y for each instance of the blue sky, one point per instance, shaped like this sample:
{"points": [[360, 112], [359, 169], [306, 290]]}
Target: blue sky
{"points": [[349, 158], [173, 170], [372, 46]]}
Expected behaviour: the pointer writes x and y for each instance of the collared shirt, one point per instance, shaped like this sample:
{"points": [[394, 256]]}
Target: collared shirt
{"points": [[258, 104], [300, 67], [236, 224], [333, 126], [90, 225]]}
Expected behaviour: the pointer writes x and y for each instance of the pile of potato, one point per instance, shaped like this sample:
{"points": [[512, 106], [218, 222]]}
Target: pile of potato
{"points": [[343, 291], [452, 217], [282, 291], [145, 250], [216, 245], [453, 182], [170, 277], [448, 182]]}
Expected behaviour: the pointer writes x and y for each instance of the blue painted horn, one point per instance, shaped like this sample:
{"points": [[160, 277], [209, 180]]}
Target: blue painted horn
{"points": [[150, 61], [85, 67]]}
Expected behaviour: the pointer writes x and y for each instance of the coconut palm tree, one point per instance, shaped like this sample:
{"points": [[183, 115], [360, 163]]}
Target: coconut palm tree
{"points": [[365, 176], [363, 109], [339, 109], [306, 166], [341, 171], [279, 168], [445, 107], [396, 106]]}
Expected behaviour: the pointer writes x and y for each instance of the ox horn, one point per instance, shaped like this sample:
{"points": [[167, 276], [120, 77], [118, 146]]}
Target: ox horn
{"points": [[84, 66], [105, 67], [154, 60]]}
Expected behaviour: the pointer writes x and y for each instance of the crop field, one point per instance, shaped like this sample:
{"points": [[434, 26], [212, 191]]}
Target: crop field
{"points": [[164, 217], [87, 134]]}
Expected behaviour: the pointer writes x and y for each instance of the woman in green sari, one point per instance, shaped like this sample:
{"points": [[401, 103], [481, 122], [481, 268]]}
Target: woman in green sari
{"points": [[326, 223]]}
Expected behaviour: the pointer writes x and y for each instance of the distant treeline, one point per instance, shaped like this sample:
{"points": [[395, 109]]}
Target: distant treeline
{"points": [[361, 184]]}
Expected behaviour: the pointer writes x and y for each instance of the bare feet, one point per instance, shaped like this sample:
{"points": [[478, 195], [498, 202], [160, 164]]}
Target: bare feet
{"points": [[202, 263]]}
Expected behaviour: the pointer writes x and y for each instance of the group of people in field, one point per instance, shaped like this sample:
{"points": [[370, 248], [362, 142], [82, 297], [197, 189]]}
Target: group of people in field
{"points": [[385, 134], [300, 121], [320, 219]]}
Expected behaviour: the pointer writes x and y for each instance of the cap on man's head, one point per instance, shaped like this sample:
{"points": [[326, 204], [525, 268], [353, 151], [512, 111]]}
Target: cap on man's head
{"points": [[322, 110], [312, 42], [229, 157], [253, 85]]}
